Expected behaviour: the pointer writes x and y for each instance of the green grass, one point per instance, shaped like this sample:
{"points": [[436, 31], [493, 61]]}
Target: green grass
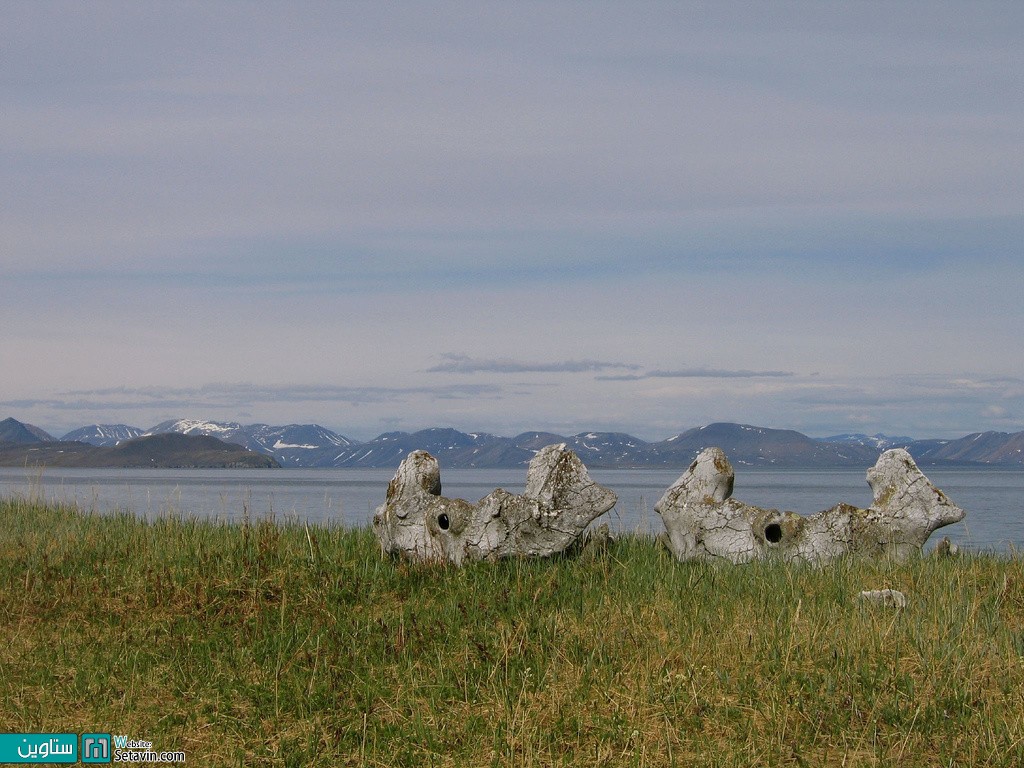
{"points": [[263, 644]]}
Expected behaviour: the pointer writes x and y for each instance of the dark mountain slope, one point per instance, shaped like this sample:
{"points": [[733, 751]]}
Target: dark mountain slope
{"points": [[14, 431], [760, 446], [156, 451], [996, 448]]}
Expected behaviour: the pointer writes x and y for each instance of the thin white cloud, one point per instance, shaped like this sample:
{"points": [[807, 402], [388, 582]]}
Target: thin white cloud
{"points": [[234, 394], [700, 373], [465, 364]]}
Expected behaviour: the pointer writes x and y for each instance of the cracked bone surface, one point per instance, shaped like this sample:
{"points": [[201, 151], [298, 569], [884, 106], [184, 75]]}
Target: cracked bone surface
{"points": [[560, 501], [705, 523]]}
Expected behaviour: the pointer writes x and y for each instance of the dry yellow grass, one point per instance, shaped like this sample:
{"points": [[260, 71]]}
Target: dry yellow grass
{"points": [[294, 646]]}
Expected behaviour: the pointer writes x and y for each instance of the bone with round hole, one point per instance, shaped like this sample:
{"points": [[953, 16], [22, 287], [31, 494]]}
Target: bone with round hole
{"points": [[560, 501], [704, 523]]}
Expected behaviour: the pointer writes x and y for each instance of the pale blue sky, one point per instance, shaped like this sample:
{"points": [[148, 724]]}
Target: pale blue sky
{"points": [[562, 216]]}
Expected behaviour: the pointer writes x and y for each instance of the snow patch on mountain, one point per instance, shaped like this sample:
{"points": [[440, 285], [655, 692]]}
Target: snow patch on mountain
{"points": [[878, 441], [103, 435]]}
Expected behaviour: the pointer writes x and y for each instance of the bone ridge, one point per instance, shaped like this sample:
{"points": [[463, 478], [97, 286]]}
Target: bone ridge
{"points": [[559, 503], [704, 522]]}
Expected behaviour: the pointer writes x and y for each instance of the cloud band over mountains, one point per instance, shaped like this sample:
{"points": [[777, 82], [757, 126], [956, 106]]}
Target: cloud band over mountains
{"points": [[929, 405], [233, 395], [465, 364]]}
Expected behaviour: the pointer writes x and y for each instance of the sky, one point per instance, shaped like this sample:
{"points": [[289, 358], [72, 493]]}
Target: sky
{"points": [[501, 217]]}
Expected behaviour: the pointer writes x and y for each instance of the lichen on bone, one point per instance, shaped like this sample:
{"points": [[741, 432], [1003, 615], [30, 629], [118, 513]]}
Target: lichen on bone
{"points": [[560, 501], [704, 523]]}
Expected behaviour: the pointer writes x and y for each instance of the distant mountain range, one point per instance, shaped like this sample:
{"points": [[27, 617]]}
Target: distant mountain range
{"points": [[36, 448], [310, 445], [295, 445]]}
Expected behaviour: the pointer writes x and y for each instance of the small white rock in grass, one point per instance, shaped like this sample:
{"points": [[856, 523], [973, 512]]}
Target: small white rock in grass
{"points": [[946, 548], [560, 501], [890, 598]]}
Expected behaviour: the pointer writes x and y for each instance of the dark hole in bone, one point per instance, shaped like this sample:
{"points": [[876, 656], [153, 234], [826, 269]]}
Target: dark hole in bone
{"points": [[442, 521], [773, 533]]}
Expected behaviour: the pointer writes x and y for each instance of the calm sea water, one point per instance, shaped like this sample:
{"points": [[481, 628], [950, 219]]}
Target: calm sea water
{"points": [[994, 499]]}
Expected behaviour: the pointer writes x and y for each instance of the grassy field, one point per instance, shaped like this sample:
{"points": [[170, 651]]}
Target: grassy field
{"points": [[261, 644]]}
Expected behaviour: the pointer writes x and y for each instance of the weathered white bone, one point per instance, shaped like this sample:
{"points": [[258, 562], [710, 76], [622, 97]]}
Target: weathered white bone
{"points": [[560, 501], [704, 523]]}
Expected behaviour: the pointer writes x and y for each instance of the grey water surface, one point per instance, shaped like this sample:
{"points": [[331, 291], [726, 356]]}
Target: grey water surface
{"points": [[993, 498]]}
